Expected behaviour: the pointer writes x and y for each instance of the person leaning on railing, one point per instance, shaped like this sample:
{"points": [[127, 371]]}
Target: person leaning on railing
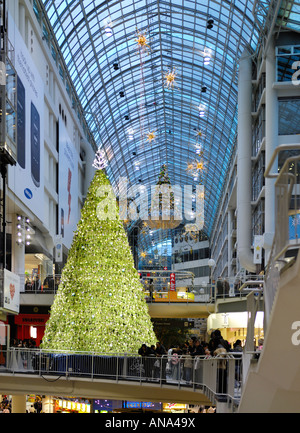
{"points": [[146, 354]]}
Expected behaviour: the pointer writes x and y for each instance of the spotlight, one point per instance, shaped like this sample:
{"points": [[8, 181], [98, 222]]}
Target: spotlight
{"points": [[201, 110], [130, 133], [203, 89], [108, 30], [116, 66], [121, 94]]}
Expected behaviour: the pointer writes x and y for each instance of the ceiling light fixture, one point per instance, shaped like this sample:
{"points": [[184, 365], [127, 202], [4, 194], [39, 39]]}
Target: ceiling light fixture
{"points": [[108, 27]]}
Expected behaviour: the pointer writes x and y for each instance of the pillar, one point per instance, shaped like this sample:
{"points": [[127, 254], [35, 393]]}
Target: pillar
{"points": [[244, 152], [47, 403], [18, 404], [271, 144], [230, 219]]}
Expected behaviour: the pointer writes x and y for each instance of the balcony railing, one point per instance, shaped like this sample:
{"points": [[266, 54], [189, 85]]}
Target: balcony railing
{"points": [[219, 378], [221, 289]]}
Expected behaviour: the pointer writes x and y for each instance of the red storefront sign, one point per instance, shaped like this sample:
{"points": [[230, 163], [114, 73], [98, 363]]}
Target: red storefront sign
{"points": [[172, 282]]}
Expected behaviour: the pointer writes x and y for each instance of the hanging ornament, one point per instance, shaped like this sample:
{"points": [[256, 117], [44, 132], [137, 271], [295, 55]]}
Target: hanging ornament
{"points": [[151, 136], [196, 167], [143, 49], [199, 134], [142, 41], [170, 79]]}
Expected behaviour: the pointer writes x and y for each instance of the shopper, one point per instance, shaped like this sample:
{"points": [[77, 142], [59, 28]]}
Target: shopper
{"points": [[198, 349], [237, 346], [221, 353], [188, 365], [146, 353], [160, 349], [217, 341], [175, 361]]}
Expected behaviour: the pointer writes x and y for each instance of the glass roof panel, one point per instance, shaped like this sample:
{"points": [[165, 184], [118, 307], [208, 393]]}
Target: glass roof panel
{"points": [[122, 89]]}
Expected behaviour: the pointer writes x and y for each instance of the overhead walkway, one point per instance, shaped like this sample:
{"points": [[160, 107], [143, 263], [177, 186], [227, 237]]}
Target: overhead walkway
{"points": [[193, 302], [209, 381]]}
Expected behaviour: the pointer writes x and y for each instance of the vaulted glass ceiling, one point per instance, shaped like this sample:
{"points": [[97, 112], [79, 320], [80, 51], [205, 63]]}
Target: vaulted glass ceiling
{"points": [[123, 89]]}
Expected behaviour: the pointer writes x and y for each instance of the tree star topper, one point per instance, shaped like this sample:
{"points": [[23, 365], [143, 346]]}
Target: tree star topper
{"points": [[100, 161]]}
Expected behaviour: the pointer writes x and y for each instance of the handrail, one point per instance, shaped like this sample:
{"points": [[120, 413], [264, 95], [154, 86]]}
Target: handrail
{"points": [[219, 376], [280, 148]]}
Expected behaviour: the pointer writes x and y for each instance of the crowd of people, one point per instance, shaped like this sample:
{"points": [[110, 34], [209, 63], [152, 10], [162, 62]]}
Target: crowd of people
{"points": [[5, 405], [26, 343], [178, 362]]}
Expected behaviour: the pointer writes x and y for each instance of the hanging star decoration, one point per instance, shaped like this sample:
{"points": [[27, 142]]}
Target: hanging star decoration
{"points": [[196, 167], [142, 41], [199, 134], [170, 79], [143, 254], [100, 161], [151, 136]]}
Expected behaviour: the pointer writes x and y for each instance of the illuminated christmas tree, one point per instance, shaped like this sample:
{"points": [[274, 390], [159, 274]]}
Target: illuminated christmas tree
{"points": [[100, 302]]}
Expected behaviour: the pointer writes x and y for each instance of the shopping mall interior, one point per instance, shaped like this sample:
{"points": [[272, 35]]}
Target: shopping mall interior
{"points": [[149, 206]]}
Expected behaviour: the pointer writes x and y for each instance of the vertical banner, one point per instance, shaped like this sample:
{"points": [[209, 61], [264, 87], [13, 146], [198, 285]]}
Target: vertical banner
{"points": [[68, 186], [258, 244], [26, 178], [172, 282], [58, 249], [11, 291]]}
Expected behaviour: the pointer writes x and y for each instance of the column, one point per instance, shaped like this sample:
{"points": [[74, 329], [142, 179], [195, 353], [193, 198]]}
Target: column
{"points": [[244, 152], [229, 242], [271, 144], [47, 403], [18, 404]]}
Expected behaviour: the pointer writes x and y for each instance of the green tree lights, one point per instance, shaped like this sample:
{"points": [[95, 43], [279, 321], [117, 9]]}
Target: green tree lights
{"points": [[100, 302]]}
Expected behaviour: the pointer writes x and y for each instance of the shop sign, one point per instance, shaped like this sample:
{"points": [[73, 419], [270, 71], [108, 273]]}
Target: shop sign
{"points": [[28, 319]]}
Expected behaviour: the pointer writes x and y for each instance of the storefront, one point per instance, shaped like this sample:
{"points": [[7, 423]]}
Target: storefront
{"points": [[75, 405], [30, 327], [175, 408], [233, 326]]}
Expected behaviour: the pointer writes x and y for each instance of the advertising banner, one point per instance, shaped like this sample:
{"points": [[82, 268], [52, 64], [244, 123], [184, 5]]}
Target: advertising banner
{"points": [[58, 249], [258, 244], [68, 186], [25, 179], [11, 291], [172, 282]]}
